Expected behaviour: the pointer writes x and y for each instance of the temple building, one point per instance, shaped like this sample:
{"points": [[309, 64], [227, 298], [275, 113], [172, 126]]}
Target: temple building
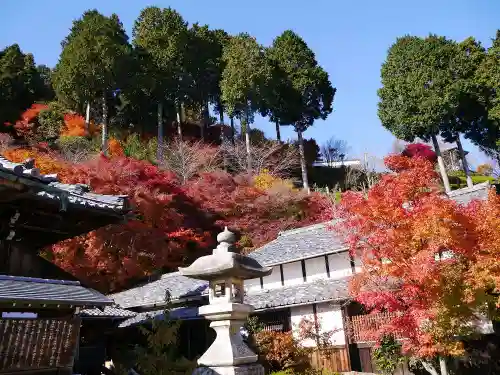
{"points": [[41, 306]]}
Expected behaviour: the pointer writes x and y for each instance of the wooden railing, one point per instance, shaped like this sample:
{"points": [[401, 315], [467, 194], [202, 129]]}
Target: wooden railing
{"points": [[28, 344], [361, 328]]}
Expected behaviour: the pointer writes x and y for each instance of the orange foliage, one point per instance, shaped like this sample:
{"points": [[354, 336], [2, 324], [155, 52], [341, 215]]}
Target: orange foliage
{"points": [[115, 148], [279, 349], [75, 126], [25, 125], [47, 162], [424, 257]]}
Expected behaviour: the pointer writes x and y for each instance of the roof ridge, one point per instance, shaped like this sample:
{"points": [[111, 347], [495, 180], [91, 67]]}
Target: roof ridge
{"points": [[40, 280], [302, 229]]}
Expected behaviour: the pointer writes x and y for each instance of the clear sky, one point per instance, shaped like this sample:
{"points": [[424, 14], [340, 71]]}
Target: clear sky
{"points": [[350, 39]]}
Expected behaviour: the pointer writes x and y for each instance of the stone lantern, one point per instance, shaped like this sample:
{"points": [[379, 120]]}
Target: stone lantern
{"points": [[225, 271]]}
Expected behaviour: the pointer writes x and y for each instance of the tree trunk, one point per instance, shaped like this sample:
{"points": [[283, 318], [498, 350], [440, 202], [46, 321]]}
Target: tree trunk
{"points": [[247, 144], [278, 134], [442, 366], [465, 165], [104, 141], [442, 168], [159, 150], [221, 115], [233, 130], [87, 118], [429, 368], [206, 120], [303, 167], [179, 123]]}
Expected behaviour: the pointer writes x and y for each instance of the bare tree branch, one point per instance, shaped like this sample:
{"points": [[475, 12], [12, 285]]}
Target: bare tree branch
{"points": [[275, 158], [187, 159], [334, 150]]}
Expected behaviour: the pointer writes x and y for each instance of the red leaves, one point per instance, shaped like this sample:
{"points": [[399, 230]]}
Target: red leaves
{"points": [[174, 223], [421, 253], [420, 150]]}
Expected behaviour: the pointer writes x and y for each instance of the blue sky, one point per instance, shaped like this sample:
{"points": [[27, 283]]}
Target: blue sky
{"points": [[350, 39]]}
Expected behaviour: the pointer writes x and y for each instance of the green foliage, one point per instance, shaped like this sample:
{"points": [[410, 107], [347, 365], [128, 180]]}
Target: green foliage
{"points": [[50, 122], [305, 92], [93, 62], [253, 325], [157, 354], [135, 148], [488, 78], [74, 145], [428, 88], [387, 357], [20, 83], [244, 77], [162, 35]]}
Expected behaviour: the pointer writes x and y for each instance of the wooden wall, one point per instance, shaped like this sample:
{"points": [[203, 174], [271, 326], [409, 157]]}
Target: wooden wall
{"points": [[333, 359]]}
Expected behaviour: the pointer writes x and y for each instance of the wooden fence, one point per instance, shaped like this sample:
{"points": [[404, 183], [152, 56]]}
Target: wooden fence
{"points": [[333, 359], [28, 344], [361, 328]]}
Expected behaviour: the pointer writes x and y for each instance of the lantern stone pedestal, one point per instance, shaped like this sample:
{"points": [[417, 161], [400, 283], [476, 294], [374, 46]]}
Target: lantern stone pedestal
{"points": [[225, 271]]}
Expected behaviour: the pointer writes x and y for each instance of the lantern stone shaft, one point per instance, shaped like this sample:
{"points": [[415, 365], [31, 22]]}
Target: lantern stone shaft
{"points": [[226, 270]]}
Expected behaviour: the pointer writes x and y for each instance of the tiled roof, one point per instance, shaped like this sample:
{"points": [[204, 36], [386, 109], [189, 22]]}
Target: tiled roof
{"points": [[108, 312], [317, 291], [28, 290], [466, 195], [153, 293], [184, 313], [51, 188], [299, 244]]}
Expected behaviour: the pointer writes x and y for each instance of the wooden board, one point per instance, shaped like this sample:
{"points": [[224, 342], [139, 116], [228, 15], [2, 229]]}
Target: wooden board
{"points": [[29, 344]]}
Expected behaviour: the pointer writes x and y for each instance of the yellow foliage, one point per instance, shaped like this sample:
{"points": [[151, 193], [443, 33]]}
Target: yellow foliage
{"points": [[266, 181]]}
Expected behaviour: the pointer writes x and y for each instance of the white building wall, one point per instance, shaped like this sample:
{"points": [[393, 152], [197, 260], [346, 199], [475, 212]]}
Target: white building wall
{"points": [[274, 279], [296, 315], [329, 318], [252, 285], [292, 273], [340, 265], [316, 269]]}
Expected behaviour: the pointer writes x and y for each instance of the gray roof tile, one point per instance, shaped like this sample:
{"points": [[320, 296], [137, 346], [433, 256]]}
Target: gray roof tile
{"points": [[51, 188], [317, 291], [183, 313], [108, 312], [466, 195], [153, 293], [27, 290], [299, 244]]}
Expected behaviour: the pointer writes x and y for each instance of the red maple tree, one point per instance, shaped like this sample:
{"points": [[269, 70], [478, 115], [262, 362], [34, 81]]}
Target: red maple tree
{"points": [[421, 253], [420, 150]]}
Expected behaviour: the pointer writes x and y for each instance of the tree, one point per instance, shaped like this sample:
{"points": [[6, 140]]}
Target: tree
{"points": [[244, 77], [419, 150], [421, 256], [162, 35], [485, 169], [334, 150], [20, 83], [420, 90], [92, 64], [205, 68], [488, 77], [309, 93], [188, 159]]}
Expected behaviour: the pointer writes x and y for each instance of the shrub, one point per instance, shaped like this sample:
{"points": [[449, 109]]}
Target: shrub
{"points": [[77, 149], [485, 169], [50, 123], [279, 350]]}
